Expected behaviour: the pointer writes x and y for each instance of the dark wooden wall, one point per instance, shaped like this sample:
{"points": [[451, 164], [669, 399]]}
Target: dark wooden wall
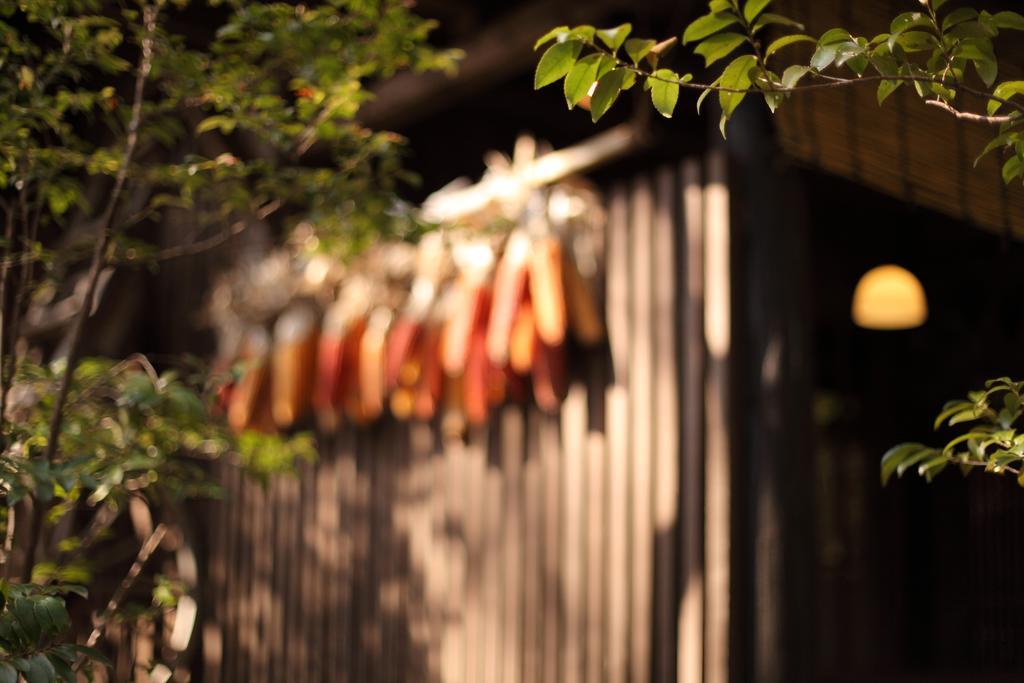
{"points": [[540, 548]]}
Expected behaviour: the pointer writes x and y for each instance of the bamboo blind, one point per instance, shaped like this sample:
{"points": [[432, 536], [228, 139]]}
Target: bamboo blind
{"points": [[903, 148]]}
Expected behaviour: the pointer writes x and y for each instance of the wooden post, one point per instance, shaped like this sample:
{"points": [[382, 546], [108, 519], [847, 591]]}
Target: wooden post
{"points": [[775, 480], [690, 666], [718, 470]]}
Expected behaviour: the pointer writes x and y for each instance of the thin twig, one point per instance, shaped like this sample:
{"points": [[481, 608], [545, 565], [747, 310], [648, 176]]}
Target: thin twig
{"points": [[147, 549], [982, 463], [236, 228], [970, 116]]}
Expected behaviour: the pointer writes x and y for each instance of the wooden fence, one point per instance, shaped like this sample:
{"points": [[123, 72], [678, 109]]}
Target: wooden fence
{"points": [[558, 548]]}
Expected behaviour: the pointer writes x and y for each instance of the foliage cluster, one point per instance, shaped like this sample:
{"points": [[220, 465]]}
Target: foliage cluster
{"points": [[947, 56], [112, 115]]}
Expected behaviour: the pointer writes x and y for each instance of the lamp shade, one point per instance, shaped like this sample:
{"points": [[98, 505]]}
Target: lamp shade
{"points": [[889, 297]]}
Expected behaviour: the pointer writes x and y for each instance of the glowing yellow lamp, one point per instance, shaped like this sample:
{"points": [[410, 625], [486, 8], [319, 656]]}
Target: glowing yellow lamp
{"points": [[889, 298]]}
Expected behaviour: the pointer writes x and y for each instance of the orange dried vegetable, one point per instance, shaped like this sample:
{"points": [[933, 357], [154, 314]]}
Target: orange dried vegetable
{"points": [[510, 282], [520, 350], [546, 291]]}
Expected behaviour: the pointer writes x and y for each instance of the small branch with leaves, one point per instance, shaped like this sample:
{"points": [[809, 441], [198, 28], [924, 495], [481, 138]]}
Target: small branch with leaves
{"points": [[993, 440], [942, 55]]}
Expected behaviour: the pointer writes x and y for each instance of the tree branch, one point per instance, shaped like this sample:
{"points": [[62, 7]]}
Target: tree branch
{"points": [[147, 549], [236, 228], [96, 265], [969, 116], [149, 15]]}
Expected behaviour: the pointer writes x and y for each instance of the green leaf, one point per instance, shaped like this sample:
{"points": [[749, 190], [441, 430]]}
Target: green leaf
{"points": [[951, 409], [707, 25], [580, 78], [665, 93], [914, 459], [608, 89], [24, 612], [7, 673], [1010, 20], [958, 16], [767, 19], [638, 48], [1001, 140], [553, 34], [792, 75], [614, 37], [40, 670], [63, 670], [753, 8], [886, 88], [988, 70], [1013, 168], [1005, 91], [584, 33], [736, 76], [52, 612], [718, 46], [823, 56], [703, 95], [556, 62], [835, 35], [785, 41], [906, 22], [225, 124], [930, 468], [953, 443], [896, 455]]}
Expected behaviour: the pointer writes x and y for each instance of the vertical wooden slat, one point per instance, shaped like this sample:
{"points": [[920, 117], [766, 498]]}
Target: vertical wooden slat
{"points": [[617, 405], [263, 559], [370, 626], [230, 644], [236, 595], [437, 574], [454, 657], [640, 390], [327, 560], [492, 545], [297, 648], [512, 443], [596, 520], [361, 539], [307, 537], [574, 427], [476, 465], [393, 595], [665, 428], [275, 637], [347, 486], [326, 555], [717, 333], [213, 628], [533, 569], [691, 613], [552, 625]]}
